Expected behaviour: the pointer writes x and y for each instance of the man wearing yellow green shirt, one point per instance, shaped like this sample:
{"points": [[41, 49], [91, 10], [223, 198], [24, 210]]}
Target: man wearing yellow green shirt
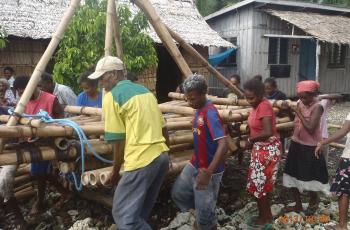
{"points": [[135, 124]]}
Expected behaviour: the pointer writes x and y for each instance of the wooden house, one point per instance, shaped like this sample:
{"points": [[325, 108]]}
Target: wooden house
{"points": [[288, 40], [183, 17], [30, 25]]}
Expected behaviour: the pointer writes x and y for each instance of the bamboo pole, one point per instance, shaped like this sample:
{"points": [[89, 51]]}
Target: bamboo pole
{"points": [[61, 143], [205, 63], [282, 120], [67, 167], [47, 131], [215, 100], [83, 110], [231, 107], [91, 163], [109, 28], [24, 194], [185, 138], [337, 145], [164, 35], [92, 177], [24, 121], [40, 67], [226, 115], [10, 157], [334, 126], [116, 30], [23, 170], [179, 119], [85, 179], [180, 147], [105, 174], [23, 179], [24, 186], [178, 125], [280, 103]]}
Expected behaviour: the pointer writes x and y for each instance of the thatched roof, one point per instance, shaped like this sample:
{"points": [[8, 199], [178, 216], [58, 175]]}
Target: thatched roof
{"points": [[183, 17], [38, 19], [35, 19], [333, 29]]}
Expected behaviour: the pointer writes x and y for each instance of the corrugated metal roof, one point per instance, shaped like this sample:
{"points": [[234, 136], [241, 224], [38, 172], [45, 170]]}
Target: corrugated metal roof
{"points": [[280, 3], [38, 19], [328, 28]]}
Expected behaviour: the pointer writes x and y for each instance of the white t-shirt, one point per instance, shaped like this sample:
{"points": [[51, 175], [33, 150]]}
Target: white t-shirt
{"points": [[65, 95], [326, 104], [346, 152]]}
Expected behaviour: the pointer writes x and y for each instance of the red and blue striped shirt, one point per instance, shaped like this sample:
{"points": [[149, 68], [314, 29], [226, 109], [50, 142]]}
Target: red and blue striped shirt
{"points": [[207, 129]]}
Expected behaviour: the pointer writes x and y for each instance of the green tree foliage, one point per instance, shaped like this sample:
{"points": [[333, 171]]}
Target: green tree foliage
{"points": [[3, 40], [83, 43]]}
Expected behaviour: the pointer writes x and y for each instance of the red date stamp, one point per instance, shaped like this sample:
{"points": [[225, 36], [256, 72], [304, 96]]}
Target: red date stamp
{"points": [[289, 219]]}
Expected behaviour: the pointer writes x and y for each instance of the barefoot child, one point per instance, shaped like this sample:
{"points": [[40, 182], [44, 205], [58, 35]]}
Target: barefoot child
{"points": [[266, 150], [341, 182], [41, 170]]}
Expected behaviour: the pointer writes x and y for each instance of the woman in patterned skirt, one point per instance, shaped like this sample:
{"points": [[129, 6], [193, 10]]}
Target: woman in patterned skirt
{"points": [[266, 150], [341, 182]]}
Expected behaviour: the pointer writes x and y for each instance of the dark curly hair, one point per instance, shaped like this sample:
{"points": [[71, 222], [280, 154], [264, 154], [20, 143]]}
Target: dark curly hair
{"points": [[256, 86], [84, 78], [271, 81], [20, 82]]}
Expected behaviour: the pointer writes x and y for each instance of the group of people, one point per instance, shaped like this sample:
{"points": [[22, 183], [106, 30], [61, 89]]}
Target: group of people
{"points": [[306, 163], [51, 97], [141, 142], [90, 95], [137, 129]]}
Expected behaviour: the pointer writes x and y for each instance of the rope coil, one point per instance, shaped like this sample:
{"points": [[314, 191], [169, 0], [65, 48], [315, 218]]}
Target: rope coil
{"points": [[80, 146]]}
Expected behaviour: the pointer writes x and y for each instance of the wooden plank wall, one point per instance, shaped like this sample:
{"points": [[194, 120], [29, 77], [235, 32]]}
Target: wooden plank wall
{"points": [[267, 24], [334, 80], [237, 24], [22, 55], [249, 26]]}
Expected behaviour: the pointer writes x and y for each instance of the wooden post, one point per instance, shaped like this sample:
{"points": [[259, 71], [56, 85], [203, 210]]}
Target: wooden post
{"points": [[164, 35], [116, 30], [204, 62], [109, 28], [40, 67], [317, 71]]}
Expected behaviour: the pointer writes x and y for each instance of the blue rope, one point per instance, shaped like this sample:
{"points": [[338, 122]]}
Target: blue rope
{"points": [[45, 117]]}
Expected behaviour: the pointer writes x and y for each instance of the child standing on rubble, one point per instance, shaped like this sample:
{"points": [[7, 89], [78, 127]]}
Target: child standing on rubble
{"points": [[266, 150], [341, 182], [41, 100]]}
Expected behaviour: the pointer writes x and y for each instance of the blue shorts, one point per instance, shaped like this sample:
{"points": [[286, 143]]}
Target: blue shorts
{"points": [[40, 168]]}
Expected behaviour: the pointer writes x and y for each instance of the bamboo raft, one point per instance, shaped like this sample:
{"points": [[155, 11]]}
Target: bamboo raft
{"points": [[63, 146]]}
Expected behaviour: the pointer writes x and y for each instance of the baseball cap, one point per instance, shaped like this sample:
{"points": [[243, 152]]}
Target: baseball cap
{"points": [[106, 64]]}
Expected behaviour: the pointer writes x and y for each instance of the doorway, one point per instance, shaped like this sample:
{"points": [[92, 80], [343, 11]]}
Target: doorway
{"points": [[168, 74], [307, 60]]}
